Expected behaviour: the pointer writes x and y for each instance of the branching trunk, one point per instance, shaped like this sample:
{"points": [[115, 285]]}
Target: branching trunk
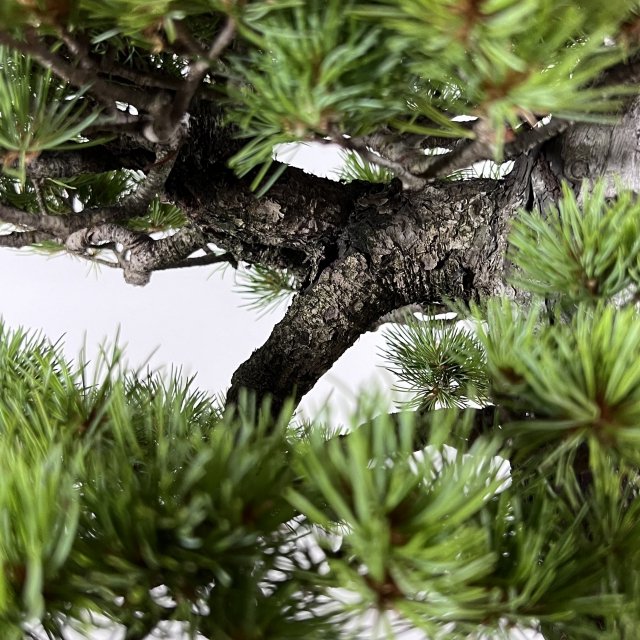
{"points": [[444, 242], [358, 250]]}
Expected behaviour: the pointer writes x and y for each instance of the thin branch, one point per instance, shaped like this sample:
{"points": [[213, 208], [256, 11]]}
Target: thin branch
{"points": [[138, 202], [409, 181], [464, 155], [532, 138], [55, 225], [106, 92], [183, 36], [19, 239], [402, 155], [139, 78], [77, 46], [402, 147], [201, 261], [105, 234], [164, 127], [481, 148]]}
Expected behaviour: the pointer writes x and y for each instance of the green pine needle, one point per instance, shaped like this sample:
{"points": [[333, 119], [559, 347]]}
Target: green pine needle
{"points": [[266, 288], [442, 364]]}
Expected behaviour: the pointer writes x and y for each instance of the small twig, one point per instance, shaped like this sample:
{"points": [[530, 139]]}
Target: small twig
{"points": [[409, 181], [104, 263], [201, 261], [62, 226], [76, 46], [464, 155], [164, 127]]}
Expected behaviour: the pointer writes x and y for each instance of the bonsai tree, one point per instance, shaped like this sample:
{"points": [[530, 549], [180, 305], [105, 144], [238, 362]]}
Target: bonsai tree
{"points": [[142, 136]]}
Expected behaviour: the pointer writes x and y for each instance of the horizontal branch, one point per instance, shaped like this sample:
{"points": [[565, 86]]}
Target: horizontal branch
{"points": [[106, 92], [444, 242], [19, 239], [202, 261], [137, 254]]}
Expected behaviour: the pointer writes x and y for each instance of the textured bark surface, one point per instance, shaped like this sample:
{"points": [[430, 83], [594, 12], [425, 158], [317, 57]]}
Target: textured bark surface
{"points": [[358, 250], [592, 151], [444, 242]]}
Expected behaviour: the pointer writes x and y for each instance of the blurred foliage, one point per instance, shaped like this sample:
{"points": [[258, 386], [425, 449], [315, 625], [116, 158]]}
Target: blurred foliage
{"points": [[140, 499]]}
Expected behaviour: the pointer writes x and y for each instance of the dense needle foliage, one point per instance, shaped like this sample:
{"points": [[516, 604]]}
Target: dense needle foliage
{"points": [[505, 493], [142, 501]]}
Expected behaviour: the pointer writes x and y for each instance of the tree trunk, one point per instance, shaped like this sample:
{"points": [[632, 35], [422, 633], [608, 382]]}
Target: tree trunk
{"points": [[444, 242]]}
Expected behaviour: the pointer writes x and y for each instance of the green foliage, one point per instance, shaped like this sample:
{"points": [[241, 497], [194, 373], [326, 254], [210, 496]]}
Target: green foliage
{"points": [[138, 499], [266, 288], [441, 363], [583, 253], [314, 72], [141, 500], [139, 483], [37, 112], [408, 526], [161, 216], [324, 69], [580, 378], [504, 59], [356, 168]]}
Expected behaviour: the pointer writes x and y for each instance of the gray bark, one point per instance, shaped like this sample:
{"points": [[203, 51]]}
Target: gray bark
{"points": [[359, 250], [446, 241]]}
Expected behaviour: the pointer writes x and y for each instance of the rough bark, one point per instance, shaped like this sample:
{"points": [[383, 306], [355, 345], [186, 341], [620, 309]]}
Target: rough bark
{"points": [[359, 251], [444, 242]]}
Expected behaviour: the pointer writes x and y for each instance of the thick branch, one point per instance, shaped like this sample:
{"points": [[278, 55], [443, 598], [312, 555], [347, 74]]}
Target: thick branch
{"points": [[63, 164], [319, 326], [445, 242]]}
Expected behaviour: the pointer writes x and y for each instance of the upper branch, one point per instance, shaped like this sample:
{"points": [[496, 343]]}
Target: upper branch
{"points": [[104, 91], [165, 124]]}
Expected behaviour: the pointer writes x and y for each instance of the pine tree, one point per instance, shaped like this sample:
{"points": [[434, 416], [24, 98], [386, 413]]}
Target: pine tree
{"points": [[490, 173]]}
